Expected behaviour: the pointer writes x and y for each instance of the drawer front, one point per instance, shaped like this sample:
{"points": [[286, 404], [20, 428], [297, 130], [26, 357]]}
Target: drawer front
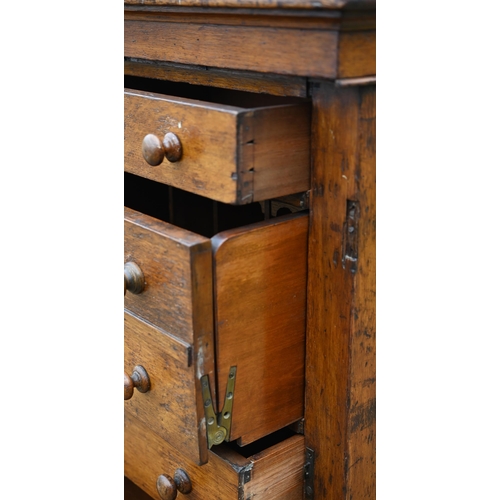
{"points": [[172, 407], [253, 280], [177, 269], [230, 154], [169, 329], [275, 473]]}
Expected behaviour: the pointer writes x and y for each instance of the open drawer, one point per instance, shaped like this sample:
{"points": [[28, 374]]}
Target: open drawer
{"points": [[225, 317], [229, 146], [275, 472]]}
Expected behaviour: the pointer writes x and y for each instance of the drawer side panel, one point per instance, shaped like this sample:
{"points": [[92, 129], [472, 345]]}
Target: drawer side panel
{"points": [[260, 284]]}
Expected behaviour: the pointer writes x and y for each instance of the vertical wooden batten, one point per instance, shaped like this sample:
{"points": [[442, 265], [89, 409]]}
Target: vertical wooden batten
{"points": [[340, 390]]}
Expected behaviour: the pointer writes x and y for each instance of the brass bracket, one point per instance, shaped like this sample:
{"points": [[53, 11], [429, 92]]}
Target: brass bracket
{"points": [[218, 426]]}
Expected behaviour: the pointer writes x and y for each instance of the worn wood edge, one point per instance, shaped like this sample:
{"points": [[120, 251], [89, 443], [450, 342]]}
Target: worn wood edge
{"points": [[203, 335], [356, 82], [247, 81], [220, 238], [178, 345], [185, 101], [174, 233]]}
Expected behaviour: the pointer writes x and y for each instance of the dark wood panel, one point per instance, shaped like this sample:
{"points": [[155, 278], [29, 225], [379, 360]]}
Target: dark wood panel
{"points": [[133, 492], [263, 49]]}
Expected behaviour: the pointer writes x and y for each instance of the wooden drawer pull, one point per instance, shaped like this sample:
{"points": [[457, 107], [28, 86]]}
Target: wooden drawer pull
{"points": [[154, 150], [168, 487], [139, 379], [134, 278]]}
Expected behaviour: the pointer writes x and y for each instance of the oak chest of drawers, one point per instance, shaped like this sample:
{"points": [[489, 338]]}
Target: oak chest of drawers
{"points": [[249, 179]]}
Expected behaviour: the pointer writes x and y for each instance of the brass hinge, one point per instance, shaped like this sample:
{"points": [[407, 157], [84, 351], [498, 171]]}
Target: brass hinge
{"points": [[309, 475], [218, 426]]}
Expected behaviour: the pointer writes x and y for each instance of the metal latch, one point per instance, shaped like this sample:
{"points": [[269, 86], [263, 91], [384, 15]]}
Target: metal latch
{"points": [[218, 426], [309, 474]]}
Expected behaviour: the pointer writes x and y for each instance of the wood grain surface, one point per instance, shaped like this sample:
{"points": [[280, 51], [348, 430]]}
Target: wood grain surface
{"points": [[173, 406], [340, 371], [278, 470], [177, 267], [357, 50], [254, 48], [260, 297], [230, 154]]}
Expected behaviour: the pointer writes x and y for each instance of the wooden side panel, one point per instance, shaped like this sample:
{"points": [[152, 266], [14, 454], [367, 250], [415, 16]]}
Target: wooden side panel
{"points": [[276, 144], [263, 49], [278, 472], [147, 456], [342, 213], [361, 418], [170, 407], [207, 134], [260, 284], [357, 54], [168, 256]]}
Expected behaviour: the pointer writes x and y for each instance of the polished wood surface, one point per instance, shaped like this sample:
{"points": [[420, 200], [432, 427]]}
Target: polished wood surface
{"points": [[230, 153], [167, 486], [155, 150], [173, 406], [340, 371], [228, 475], [260, 296]]}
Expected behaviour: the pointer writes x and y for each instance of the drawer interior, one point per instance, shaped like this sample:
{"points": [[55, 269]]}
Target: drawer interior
{"points": [[269, 470], [227, 97], [191, 211]]}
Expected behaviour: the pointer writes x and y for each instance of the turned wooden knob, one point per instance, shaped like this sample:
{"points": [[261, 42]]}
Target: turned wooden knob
{"points": [[154, 150], [134, 278], [167, 487], [139, 380]]}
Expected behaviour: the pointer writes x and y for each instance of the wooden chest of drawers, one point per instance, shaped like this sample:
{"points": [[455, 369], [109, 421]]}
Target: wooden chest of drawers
{"points": [[249, 239], [257, 275]]}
